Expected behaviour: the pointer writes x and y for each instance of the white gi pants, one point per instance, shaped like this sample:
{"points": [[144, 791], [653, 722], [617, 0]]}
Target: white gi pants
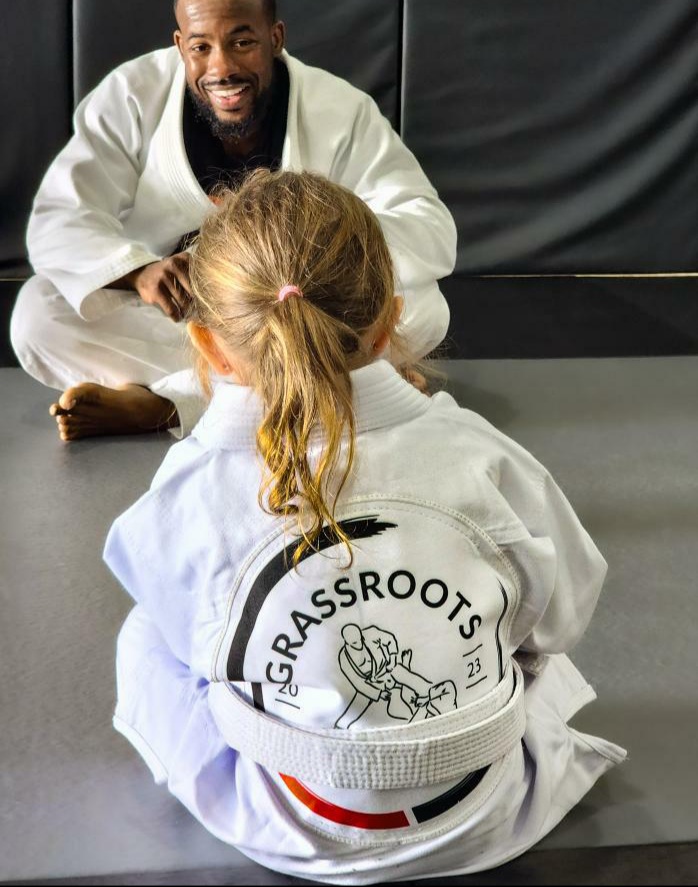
{"points": [[133, 343]]}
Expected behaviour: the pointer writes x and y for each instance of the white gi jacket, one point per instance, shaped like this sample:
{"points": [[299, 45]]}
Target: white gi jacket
{"points": [[465, 552], [121, 194]]}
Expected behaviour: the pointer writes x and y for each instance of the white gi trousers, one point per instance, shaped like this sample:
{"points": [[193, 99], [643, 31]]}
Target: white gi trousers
{"points": [[135, 342]]}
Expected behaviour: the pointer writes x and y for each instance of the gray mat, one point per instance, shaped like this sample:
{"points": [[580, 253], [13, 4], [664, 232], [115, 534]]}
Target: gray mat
{"points": [[621, 437]]}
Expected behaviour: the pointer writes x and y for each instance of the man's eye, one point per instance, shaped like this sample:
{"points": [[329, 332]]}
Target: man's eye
{"points": [[243, 44], [199, 47]]}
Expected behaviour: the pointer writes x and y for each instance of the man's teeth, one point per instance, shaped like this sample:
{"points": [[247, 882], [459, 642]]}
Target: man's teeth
{"points": [[229, 92]]}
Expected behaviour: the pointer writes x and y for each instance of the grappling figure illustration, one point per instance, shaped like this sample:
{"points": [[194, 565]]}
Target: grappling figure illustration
{"points": [[373, 664]]}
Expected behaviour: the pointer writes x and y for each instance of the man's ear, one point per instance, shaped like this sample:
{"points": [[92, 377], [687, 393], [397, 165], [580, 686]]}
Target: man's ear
{"points": [[278, 37], [205, 343]]}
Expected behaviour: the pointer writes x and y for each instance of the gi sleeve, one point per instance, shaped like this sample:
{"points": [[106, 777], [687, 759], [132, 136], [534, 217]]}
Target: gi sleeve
{"points": [[419, 229], [75, 236], [162, 709], [560, 568], [145, 553]]}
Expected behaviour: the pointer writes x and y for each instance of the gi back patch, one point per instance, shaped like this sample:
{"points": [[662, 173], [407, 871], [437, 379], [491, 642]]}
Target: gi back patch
{"points": [[417, 624]]}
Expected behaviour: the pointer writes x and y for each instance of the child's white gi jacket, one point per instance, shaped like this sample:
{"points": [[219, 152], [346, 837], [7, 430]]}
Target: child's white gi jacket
{"points": [[363, 722]]}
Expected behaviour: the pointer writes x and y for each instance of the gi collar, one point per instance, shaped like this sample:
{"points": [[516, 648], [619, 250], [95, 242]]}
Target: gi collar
{"points": [[382, 398]]}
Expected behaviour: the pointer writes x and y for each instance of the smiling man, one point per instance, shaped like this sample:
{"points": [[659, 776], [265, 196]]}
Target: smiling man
{"points": [[153, 144], [234, 100]]}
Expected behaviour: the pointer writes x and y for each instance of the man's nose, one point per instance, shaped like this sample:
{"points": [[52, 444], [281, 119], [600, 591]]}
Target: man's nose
{"points": [[222, 63]]}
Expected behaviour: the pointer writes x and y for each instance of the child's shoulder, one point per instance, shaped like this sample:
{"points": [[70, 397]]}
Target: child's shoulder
{"points": [[195, 494], [179, 489], [182, 459], [472, 431], [156, 507]]}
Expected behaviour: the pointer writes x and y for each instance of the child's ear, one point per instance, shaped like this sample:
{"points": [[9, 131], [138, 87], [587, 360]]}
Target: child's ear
{"points": [[382, 340], [398, 305], [205, 343]]}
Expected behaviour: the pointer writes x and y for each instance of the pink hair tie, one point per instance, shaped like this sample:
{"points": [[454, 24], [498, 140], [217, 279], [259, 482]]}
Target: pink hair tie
{"points": [[289, 290]]}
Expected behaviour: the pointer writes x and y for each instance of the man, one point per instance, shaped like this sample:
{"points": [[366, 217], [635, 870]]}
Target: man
{"points": [[107, 236]]}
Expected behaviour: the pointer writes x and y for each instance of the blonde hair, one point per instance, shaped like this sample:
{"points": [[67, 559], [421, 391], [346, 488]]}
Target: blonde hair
{"points": [[299, 229]]}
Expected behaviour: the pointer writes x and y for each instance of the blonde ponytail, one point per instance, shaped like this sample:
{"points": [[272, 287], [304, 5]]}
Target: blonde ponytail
{"points": [[299, 231], [304, 381]]}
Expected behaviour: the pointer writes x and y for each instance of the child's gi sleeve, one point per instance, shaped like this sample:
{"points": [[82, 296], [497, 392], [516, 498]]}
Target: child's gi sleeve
{"points": [[145, 552], [560, 568]]}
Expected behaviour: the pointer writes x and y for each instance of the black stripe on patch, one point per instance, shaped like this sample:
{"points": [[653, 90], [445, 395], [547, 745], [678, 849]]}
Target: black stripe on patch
{"points": [[276, 569]]}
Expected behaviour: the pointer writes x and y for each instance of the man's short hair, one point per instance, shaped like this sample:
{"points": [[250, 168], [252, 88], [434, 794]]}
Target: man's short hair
{"points": [[269, 9]]}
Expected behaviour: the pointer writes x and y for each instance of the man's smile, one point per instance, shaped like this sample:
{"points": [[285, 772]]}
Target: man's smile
{"points": [[227, 97]]}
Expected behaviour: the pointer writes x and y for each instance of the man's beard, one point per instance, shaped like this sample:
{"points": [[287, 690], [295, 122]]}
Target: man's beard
{"points": [[233, 131]]}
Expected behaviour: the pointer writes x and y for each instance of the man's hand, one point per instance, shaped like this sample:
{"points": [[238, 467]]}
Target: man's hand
{"points": [[414, 377], [164, 283]]}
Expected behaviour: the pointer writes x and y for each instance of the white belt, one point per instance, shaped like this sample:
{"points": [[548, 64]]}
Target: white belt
{"points": [[431, 751]]}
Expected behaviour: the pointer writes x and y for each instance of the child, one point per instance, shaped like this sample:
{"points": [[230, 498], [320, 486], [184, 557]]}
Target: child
{"points": [[337, 577]]}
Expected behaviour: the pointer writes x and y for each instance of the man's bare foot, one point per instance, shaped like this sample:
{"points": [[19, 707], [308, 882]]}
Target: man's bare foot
{"points": [[88, 410]]}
